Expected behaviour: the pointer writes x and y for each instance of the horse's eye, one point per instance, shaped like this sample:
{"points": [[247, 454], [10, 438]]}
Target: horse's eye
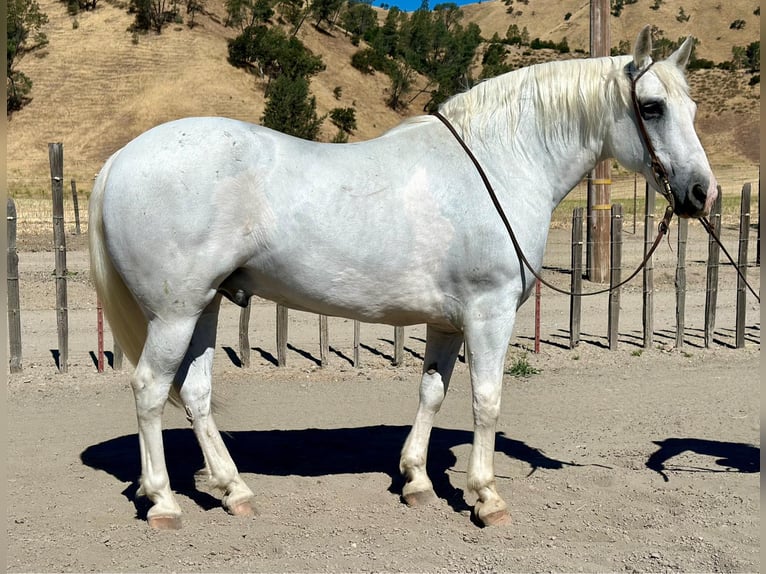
{"points": [[652, 109]]}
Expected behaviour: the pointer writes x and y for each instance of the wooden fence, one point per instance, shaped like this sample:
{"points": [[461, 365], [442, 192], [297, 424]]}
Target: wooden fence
{"points": [[712, 275]]}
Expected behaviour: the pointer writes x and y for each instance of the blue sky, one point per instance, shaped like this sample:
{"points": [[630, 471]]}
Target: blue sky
{"points": [[410, 5]]}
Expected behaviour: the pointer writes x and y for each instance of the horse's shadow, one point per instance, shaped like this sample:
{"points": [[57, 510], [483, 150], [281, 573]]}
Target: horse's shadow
{"points": [[306, 452], [733, 456]]}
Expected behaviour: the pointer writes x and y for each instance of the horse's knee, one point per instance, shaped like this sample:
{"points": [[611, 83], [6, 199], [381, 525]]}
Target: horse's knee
{"points": [[486, 407]]}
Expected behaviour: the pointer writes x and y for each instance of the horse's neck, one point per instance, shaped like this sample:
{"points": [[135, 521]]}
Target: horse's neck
{"points": [[527, 162], [530, 137]]}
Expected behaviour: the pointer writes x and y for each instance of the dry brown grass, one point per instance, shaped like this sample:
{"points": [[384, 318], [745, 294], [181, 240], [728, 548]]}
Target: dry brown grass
{"points": [[34, 217], [709, 22], [94, 89]]}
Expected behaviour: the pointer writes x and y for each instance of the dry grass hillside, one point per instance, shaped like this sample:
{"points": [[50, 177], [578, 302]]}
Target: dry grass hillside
{"points": [[709, 22], [95, 88]]}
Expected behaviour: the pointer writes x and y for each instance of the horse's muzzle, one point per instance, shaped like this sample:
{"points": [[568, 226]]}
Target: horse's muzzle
{"points": [[699, 199]]}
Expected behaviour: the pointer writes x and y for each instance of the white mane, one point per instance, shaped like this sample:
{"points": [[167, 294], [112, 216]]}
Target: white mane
{"points": [[567, 98]]}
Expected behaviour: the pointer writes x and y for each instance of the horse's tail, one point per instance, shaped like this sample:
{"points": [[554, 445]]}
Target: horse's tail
{"points": [[125, 317]]}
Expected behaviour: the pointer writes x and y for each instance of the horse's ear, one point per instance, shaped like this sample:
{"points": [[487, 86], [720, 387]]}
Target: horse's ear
{"points": [[642, 50], [681, 56]]}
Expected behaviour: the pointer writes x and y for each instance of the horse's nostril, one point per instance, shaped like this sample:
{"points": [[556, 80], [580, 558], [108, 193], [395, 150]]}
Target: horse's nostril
{"points": [[699, 193]]}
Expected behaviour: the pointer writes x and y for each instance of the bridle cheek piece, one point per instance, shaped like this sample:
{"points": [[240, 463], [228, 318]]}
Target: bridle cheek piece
{"points": [[659, 171]]}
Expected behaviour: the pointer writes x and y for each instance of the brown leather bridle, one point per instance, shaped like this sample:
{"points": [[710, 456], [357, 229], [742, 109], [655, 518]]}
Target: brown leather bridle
{"points": [[659, 171]]}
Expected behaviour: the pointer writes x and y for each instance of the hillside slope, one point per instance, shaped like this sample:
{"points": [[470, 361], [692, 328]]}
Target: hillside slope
{"points": [[95, 88], [709, 22]]}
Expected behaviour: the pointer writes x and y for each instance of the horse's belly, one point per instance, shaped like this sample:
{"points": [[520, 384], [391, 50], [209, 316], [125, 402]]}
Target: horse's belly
{"points": [[351, 292]]}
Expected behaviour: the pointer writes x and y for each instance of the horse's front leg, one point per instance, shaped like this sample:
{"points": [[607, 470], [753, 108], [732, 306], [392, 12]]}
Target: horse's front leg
{"points": [[440, 356], [486, 347]]}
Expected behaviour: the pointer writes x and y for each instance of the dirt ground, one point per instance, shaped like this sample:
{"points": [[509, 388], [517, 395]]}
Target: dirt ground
{"points": [[630, 460]]}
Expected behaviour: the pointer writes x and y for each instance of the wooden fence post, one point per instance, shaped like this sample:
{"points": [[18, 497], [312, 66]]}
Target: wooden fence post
{"points": [[281, 335], [56, 157], [683, 234], [117, 356], [76, 205], [648, 273], [615, 274], [244, 336], [575, 286], [711, 281], [398, 346], [357, 342], [744, 235], [324, 341], [14, 308]]}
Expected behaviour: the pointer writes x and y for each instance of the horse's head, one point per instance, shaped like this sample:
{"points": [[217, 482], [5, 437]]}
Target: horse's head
{"points": [[655, 135]]}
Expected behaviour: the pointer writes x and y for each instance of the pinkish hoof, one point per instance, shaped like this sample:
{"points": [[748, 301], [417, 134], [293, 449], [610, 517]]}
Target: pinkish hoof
{"points": [[165, 522], [497, 518], [420, 498], [242, 509]]}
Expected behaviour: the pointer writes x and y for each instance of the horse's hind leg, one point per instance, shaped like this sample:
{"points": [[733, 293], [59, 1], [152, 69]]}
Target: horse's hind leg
{"points": [[164, 349], [195, 378], [440, 355]]}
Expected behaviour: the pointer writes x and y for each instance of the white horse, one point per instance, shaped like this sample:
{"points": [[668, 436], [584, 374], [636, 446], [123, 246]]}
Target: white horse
{"points": [[397, 230]]}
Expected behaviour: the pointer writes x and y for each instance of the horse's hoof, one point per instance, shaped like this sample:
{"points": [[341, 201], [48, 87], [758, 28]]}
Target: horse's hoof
{"points": [[420, 498], [165, 522], [242, 509], [497, 518]]}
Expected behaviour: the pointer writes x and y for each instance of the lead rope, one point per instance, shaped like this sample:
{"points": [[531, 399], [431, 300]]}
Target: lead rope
{"points": [[711, 230], [662, 228]]}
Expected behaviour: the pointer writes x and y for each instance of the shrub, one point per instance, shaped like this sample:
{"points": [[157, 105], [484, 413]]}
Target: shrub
{"points": [[368, 61]]}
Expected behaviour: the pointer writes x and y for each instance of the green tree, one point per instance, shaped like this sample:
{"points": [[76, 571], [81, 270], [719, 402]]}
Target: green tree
{"points": [[290, 109], [273, 53], [386, 40], [153, 14], [325, 11], [345, 120], [738, 57], [244, 13], [295, 12], [24, 23], [401, 82], [368, 61], [74, 6], [517, 37], [359, 20], [753, 55], [194, 7], [493, 60]]}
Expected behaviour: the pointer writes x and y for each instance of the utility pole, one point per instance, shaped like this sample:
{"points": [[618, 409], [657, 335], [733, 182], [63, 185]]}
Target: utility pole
{"points": [[600, 182]]}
